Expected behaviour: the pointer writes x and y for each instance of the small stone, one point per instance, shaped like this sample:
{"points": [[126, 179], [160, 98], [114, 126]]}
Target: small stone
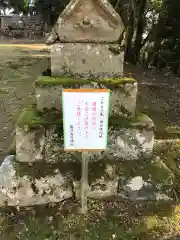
{"points": [[136, 183], [114, 236], [56, 171], [26, 128]]}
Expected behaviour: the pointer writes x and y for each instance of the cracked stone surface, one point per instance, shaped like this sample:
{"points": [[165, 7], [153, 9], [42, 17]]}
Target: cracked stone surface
{"points": [[124, 143], [24, 191], [138, 189], [30, 144]]}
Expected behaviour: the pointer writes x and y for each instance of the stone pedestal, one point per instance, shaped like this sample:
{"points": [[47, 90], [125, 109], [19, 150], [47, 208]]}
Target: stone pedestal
{"points": [[86, 52], [34, 184], [123, 93], [86, 60], [40, 137]]}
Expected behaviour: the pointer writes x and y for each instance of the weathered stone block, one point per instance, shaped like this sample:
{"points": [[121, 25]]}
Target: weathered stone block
{"points": [[130, 143], [123, 100], [22, 184], [123, 93], [100, 189], [86, 60], [49, 97], [18, 190], [30, 144], [127, 139], [102, 178], [141, 180], [145, 180]]}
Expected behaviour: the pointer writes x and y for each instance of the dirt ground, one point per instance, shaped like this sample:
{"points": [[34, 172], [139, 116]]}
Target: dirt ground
{"points": [[158, 95], [20, 65]]}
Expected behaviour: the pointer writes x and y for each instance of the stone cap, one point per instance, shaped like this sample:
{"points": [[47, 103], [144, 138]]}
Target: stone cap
{"points": [[87, 21]]}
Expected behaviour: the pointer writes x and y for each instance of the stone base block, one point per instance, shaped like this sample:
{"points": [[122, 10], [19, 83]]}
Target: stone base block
{"points": [[128, 140], [86, 60], [145, 180], [123, 93], [137, 189], [100, 189], [16, 190], [129, 144], [26, 185]]}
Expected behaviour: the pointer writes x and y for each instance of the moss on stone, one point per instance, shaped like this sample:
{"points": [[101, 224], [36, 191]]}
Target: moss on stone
{"points": [[65, 81], [32, 118], [161, 172], [117, 81], [157, 171], [168, 133], [170, 153], [50, 81], [140, 120], [43, 169]]}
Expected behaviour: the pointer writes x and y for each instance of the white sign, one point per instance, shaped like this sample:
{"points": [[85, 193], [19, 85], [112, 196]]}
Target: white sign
{"points": [[85, 119]]}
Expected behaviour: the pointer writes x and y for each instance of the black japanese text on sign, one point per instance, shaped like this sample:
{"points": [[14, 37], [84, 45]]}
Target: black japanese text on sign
{"points": [[71, 135], [101, 123]]}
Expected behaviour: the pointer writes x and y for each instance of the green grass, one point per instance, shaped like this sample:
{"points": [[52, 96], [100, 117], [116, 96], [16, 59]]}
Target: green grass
{"points": [[106, 220]]}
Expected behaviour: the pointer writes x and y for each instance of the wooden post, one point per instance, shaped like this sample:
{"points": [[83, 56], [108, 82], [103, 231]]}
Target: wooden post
{"points": [[84, 183]]}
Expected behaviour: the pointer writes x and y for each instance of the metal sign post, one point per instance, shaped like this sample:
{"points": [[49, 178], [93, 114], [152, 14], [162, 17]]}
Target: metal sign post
{"points": [[84, 183], [85, 120]]}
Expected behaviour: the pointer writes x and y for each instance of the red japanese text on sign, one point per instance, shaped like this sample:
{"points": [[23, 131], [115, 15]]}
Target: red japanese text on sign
{"points": [[86, 120], [93, 115], [78, 115]]}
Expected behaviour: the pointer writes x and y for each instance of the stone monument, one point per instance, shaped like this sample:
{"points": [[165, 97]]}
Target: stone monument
{"points": [[85, 53]]}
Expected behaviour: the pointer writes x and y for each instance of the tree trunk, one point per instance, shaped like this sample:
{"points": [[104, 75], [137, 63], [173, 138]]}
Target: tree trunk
{"points": [[152, 53], [140, 29], [129, 34]]}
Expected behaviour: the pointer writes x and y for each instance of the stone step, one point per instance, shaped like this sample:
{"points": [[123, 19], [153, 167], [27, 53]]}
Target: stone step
{"points": [[123, 92], [24, 184], [39, 137]]}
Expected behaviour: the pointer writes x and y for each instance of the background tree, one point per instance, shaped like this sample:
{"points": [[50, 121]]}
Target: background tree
{"points": [[152, 27], [50, 10], [3, 5]]}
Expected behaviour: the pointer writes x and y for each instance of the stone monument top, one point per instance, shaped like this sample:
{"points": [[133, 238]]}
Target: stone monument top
{"points": [[87, 21]]}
